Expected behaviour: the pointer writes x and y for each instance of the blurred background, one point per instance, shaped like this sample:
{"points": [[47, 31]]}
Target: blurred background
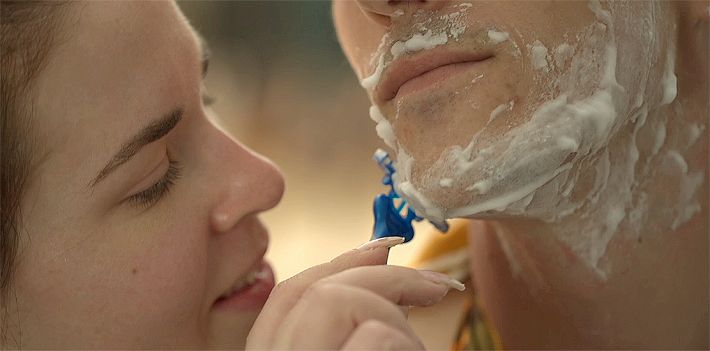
{"points": [[284, 88]]}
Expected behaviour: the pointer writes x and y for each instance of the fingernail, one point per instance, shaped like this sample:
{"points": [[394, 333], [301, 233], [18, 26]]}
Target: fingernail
{"points": [[387, 242], [441, 278]]}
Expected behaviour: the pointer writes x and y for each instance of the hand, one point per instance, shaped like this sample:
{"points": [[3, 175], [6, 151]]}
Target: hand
{"points": [[352, 302]]}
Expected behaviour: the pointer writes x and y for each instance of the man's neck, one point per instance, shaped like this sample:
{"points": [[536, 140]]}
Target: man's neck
{"points": [[635, 249]]}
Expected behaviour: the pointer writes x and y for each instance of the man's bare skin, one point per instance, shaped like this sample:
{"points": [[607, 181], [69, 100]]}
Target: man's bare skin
{"points": [[578, 133]]}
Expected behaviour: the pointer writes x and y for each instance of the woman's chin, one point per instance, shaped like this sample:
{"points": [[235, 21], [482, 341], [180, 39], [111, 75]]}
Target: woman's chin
{"points": [[230, 331]]}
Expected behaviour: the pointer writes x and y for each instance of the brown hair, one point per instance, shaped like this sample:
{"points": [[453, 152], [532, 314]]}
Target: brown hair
{"points": [[27, 33]]}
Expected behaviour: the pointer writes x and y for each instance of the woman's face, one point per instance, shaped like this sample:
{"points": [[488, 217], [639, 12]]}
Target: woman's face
{"points": [[484, 101], [139, 214]]}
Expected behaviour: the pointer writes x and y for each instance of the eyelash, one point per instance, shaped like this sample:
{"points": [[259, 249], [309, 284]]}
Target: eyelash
{"points": [[152, 195]]}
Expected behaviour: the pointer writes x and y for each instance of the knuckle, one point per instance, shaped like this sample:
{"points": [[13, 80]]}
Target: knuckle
{"points": [[379, 330], [407, 272], [374, 326], [323, 292]]}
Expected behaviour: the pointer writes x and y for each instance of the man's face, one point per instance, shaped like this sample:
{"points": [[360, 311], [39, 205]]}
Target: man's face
{"points": [[485, 101]]}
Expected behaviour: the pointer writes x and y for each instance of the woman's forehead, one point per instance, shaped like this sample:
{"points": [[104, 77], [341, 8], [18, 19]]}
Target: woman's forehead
{"points": [[120, 63]]}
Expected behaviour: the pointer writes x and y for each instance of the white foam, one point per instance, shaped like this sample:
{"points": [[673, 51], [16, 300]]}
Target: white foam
{"points": [[383, 128], [532, 169], [669, 83], [538, 56], [660, 139], [477, 78], [446, 182], [678, 158], [497, 37], [498, 110], [421, 203], [563, 53], [371, 81], [532, 158], [481, 187], [567, 143], [424, 41], [456, 30], [418, 42], [499, 203], [688, 204], [694, 132]]}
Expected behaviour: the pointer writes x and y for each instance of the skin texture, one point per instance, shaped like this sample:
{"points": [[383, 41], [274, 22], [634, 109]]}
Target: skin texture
{"points": [[98, 269], [102, 260], [337, 305], [533, 279], [444, 116]]}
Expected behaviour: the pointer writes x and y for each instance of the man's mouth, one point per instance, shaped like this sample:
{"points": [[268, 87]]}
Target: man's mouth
{"points": [[423, 69]]}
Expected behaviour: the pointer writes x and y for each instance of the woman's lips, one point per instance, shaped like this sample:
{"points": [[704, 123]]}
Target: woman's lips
{"points": [[419, 71], [254, 292]]}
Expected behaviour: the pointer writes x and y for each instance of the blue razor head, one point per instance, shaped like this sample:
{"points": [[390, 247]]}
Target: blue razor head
{"points": [[393, 216]]}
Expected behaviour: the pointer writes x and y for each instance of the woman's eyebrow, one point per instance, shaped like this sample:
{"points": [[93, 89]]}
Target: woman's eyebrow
{"points": [[150, 133]]}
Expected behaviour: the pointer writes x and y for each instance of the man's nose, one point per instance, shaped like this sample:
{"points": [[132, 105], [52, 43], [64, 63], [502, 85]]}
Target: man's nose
{"points": [[384, 11]]}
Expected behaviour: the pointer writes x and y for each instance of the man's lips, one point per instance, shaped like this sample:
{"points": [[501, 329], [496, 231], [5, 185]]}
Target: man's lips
{"points": [[406, 68]]}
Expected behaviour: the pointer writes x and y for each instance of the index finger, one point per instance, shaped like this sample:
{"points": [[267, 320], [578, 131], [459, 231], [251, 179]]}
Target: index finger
{"points": [[287, 293]]}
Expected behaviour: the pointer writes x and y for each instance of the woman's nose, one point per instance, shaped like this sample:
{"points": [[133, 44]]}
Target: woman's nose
{"points": [[248, 183], [383, 11]]}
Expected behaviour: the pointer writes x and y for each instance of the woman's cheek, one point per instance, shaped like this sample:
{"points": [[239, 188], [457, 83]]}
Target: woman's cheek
{"points": [[168, 281]]}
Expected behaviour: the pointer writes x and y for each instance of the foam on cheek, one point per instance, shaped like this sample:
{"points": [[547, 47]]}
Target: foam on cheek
{"points": [[433, 32], [446, 182], [562, 54], [527, 170], [538, 56], [694, 132], [534, 169], [533, 154], [415, 198], [371, 81], [498, 110], [383, 128], [497, 37], [477, 78], [419, 42], [669, 83]]}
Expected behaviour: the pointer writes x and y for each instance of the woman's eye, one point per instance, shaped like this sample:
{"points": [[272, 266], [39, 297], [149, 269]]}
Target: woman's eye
{"points": [[155, 192]]}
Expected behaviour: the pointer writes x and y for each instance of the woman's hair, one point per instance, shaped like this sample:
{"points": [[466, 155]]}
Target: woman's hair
{"points": [[27, 33]]}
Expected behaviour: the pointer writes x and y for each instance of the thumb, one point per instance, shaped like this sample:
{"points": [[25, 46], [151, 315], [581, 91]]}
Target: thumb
{"points": [[287, 293]]}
